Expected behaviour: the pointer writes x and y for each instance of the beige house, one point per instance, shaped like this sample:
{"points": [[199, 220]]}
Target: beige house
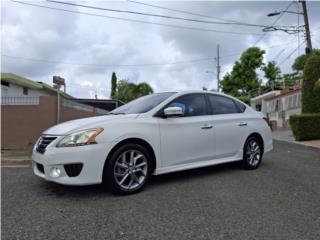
{"points": [[259, 103], [278, 106], [282, 106]]}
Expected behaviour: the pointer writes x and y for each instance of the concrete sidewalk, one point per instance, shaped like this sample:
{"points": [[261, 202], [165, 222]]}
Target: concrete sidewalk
{"points": [[11, 158]]}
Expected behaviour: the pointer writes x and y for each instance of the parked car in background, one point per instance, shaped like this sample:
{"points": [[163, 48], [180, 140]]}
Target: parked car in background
{"points": [[155, 134]]}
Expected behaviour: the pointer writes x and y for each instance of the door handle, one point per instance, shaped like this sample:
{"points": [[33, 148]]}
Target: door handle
{"points": [[241, 124], [206, 126]]}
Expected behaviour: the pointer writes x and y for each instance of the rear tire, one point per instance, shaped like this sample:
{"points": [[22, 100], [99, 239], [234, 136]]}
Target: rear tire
{"points": [[128, 169], [252, 153]]}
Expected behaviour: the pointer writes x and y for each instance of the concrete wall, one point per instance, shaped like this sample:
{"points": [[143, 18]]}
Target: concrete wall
{"points": [[16, 90], [21, 125]]}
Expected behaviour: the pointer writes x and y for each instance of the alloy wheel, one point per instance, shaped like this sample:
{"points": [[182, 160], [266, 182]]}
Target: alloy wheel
{"points": [[130, 169], [253, 153]]}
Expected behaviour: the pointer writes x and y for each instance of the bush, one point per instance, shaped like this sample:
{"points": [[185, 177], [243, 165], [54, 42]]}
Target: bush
{"points": [[305, 126], [310, 85]]}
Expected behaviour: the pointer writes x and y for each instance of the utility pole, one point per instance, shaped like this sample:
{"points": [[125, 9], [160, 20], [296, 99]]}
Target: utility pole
{"points": [[306, 23], [218, 68]]}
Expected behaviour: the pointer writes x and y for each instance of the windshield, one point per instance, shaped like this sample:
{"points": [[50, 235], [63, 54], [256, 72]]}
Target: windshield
{"points": [[142, 104]]}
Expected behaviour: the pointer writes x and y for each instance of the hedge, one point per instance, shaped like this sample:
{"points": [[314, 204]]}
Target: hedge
{"points": [[305, 126], [310, 85]]}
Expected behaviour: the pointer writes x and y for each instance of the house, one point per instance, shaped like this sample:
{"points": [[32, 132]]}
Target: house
{"points": [[278, 106], [259, 104], [13, 85], [106, 104]]}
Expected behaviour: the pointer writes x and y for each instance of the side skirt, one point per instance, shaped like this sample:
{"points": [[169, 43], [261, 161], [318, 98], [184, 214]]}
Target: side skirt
{"points": [[182, 167]]}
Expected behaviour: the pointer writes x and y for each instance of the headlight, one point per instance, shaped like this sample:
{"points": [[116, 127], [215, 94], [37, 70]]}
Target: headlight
{"points": [[84, 137]]}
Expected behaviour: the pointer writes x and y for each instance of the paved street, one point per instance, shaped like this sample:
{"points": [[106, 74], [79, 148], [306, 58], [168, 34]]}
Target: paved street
{"points": [[278, 201]]}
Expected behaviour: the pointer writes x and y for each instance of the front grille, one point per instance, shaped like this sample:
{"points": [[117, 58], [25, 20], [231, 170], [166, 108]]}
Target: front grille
{"points": [[40, 167], [43, 142], [73, 170]]}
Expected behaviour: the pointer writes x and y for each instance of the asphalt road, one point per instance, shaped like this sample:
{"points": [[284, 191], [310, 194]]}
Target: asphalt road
{"points": [[280, 200]]}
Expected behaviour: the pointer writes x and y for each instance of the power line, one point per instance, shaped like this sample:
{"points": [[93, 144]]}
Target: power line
{"points": [[291, 53], [129, 65], [108, 65], [272, 46], [280, 53], [140, 21], [278, 18], [185, 12], [156, 15]]}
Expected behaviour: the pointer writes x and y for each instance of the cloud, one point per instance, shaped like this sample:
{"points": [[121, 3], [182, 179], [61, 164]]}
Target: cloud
{"points": [[30, 32]]}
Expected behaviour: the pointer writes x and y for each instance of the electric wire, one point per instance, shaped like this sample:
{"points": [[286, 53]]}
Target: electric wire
{"points": [[277, 19], [285, 59], [141, 21], [108, 65], [157, 15]]}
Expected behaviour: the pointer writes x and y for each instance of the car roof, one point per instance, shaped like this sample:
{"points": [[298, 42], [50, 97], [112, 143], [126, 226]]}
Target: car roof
{"points": [[178, 93]]}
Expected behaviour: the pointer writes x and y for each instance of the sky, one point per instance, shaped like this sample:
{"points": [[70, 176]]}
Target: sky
{"points": [[85, 49]]}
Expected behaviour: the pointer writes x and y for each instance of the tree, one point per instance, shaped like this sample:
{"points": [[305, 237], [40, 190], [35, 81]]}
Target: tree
{"points": [[272, 73], [113, 86], [127, 91], [243, 78], [306, 126], [290, 80], [310, 85], [300, 61]]}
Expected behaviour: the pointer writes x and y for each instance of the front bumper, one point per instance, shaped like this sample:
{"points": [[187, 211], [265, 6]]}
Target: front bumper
{"points": [[92, 158]]}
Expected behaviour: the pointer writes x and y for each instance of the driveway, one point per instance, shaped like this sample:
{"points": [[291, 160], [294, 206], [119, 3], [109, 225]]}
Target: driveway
{"points": [[280, 200]]}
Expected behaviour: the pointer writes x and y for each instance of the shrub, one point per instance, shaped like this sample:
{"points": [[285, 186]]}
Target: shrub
{"points": [[310, 89], [305, 126]]}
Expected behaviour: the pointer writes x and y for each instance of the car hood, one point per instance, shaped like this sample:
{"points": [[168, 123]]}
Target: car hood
{"points": [[85, 123]]}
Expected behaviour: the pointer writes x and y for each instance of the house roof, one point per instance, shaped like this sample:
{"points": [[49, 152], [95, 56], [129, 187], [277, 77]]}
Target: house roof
{"points": [[266, 95], [283, 94], [106, 104], [25, 82]]}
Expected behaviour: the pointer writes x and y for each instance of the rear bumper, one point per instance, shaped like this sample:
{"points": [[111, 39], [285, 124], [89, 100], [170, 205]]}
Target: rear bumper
{"points": [[268, 146], [92, 157]]}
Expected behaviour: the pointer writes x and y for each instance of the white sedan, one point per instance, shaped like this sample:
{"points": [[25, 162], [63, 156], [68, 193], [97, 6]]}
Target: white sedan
{"points": [[155, 134]]}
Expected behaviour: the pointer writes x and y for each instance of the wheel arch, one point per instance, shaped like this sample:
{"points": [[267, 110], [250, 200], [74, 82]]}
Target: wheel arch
{"points": [[135, 140], [259, 137]]}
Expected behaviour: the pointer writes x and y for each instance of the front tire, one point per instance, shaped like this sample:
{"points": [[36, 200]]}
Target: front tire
{"points": [[128, 169], [252, 153]]}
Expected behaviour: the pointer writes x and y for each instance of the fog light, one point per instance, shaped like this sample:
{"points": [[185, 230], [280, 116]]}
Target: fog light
{"points": [[55, 172]]}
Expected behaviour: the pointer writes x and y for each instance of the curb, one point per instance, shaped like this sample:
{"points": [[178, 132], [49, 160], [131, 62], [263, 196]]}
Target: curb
{"points": [[11, 163], [298, 143]]}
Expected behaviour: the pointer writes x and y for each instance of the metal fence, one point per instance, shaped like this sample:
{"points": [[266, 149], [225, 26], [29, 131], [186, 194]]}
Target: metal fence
{"points": [[19, 100]]}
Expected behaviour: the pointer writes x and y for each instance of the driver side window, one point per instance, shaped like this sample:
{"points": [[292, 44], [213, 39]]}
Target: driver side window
{"points": [[192, 105]]}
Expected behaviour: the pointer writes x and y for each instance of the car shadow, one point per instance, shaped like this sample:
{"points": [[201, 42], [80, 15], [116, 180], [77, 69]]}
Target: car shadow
{"points": [[61, 191], [99, 190], [195, 173]]}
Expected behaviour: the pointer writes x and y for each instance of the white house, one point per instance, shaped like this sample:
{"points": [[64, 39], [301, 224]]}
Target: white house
{"points": [[16, 90], [259, 104], [279, 108], [278, 105], [14, 85]]}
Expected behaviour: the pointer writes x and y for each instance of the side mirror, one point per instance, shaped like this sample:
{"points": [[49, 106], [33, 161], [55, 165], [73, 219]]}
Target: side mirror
{"points": [[173, 112]]}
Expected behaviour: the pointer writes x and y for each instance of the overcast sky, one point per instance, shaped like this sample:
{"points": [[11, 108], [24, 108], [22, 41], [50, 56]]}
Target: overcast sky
{"points": [[38, 43]]}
